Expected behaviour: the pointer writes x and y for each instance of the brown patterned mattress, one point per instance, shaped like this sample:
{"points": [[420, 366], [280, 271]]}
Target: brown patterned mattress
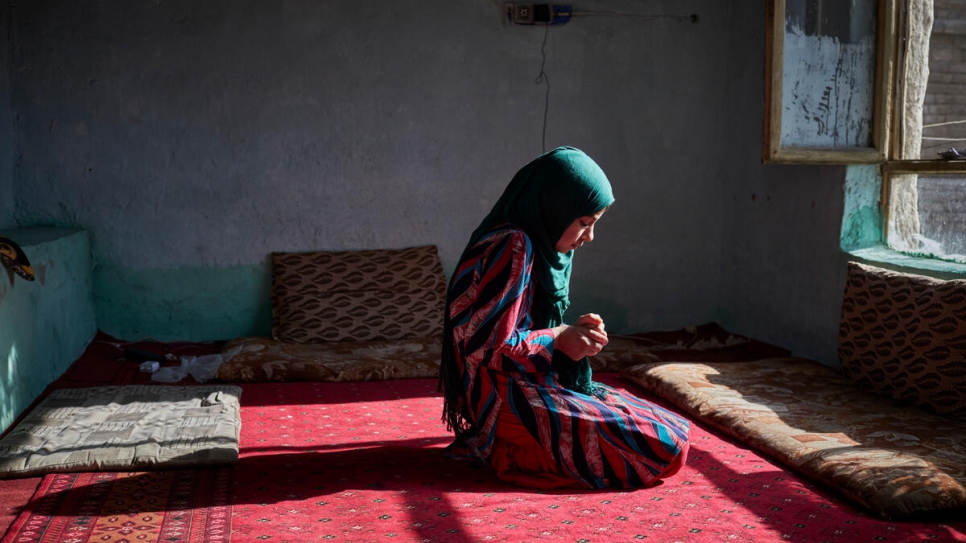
{"points": [[259, 359], [897, 460], [903, 336], [255, 359]]}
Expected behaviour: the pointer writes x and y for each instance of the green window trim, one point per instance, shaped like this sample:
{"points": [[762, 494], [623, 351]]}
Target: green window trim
{"points": [[862, 229]]}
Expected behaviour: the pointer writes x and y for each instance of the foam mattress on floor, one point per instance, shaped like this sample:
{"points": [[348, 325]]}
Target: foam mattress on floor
{"points": [[117, 428], [899, 461]]}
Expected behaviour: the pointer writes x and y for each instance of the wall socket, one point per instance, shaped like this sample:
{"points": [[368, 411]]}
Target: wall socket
{"points": [[519, 14], [538, 14]]}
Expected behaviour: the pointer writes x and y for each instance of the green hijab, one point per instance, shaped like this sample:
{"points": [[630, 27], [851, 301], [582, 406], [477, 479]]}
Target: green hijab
{"points": [[544, 198]]}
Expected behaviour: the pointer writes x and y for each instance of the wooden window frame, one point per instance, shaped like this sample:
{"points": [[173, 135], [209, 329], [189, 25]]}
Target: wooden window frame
{"points": [[894, 165], [895, 21], [883, 95]]}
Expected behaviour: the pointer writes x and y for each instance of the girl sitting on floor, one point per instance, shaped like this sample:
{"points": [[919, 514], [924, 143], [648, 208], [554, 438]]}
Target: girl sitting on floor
{"points": [[516, 380]]}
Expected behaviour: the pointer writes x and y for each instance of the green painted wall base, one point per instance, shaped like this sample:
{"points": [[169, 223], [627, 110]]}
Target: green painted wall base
{"points": [[47, 323], [183, 304], [862, 230], [882, 256]]}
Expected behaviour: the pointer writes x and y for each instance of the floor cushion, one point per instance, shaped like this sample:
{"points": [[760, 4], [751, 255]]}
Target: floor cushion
{"points": [[367, 295], [262, 359], [255, 359], [897, 460], [903, 335], [129, 427]]}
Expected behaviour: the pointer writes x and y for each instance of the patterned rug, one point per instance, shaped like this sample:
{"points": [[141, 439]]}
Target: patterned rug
{"points": [[186, 506], [364, 462]]}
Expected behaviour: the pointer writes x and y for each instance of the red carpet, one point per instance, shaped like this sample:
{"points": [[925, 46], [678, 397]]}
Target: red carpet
{"points": [[364, 462], [183, 505]]}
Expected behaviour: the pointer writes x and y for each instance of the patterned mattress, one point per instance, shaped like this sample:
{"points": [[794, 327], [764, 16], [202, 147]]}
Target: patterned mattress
{"points": [[896, 460], [128, 427], [262, 359]]}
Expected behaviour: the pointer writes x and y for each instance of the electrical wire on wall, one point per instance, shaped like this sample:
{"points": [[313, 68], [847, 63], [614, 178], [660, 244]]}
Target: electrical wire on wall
{"points": [[681, 18], [542, 77], [548, 15]]}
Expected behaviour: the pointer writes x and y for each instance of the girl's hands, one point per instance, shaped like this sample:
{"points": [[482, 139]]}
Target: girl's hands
{"points": [[591, 320], [586, 337]]}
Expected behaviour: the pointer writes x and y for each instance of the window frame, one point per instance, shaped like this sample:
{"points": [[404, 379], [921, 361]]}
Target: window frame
{"points": [[773, 152], [892, 31], [893, 165]]}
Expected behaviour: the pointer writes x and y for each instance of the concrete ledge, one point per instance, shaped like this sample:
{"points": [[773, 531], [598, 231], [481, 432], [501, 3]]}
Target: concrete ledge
{"points": [[46, 323], [880, 255]]}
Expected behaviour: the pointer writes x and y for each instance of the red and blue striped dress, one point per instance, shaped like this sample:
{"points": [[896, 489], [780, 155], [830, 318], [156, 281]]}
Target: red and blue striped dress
{"points": [[533, 431]]}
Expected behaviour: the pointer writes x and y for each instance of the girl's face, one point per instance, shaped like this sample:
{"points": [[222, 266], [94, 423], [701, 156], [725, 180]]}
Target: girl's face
{"points": [[579, 232]]}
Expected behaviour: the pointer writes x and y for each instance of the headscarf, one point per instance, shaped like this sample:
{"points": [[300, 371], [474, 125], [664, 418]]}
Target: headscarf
{"points": [[544, 198]]}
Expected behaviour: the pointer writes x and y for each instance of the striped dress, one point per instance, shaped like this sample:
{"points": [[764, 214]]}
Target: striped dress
{"points": [[531, 430]]}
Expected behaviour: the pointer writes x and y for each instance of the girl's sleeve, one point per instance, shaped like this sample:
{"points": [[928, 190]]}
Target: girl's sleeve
{"points": [[500, 322]]}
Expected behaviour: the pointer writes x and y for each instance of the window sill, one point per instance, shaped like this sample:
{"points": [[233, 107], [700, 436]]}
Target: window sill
{"points": [[882, 255]]}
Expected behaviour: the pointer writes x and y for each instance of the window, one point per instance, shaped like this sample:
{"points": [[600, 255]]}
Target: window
{"points": [[877, 82], [925, 176], [826, 65]]}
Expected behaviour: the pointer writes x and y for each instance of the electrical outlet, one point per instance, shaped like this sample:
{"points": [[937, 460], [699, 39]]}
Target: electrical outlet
{"points": [[538, 14], [520, 14]]}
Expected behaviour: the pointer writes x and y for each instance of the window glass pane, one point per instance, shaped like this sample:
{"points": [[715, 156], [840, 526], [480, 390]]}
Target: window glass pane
{"points": [[926, 215], [829, 73], [944, 105]]}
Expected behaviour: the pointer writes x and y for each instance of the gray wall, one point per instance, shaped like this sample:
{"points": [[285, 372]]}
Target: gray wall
{"points": [[7, 205], [194, 138], [783, 272]]}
